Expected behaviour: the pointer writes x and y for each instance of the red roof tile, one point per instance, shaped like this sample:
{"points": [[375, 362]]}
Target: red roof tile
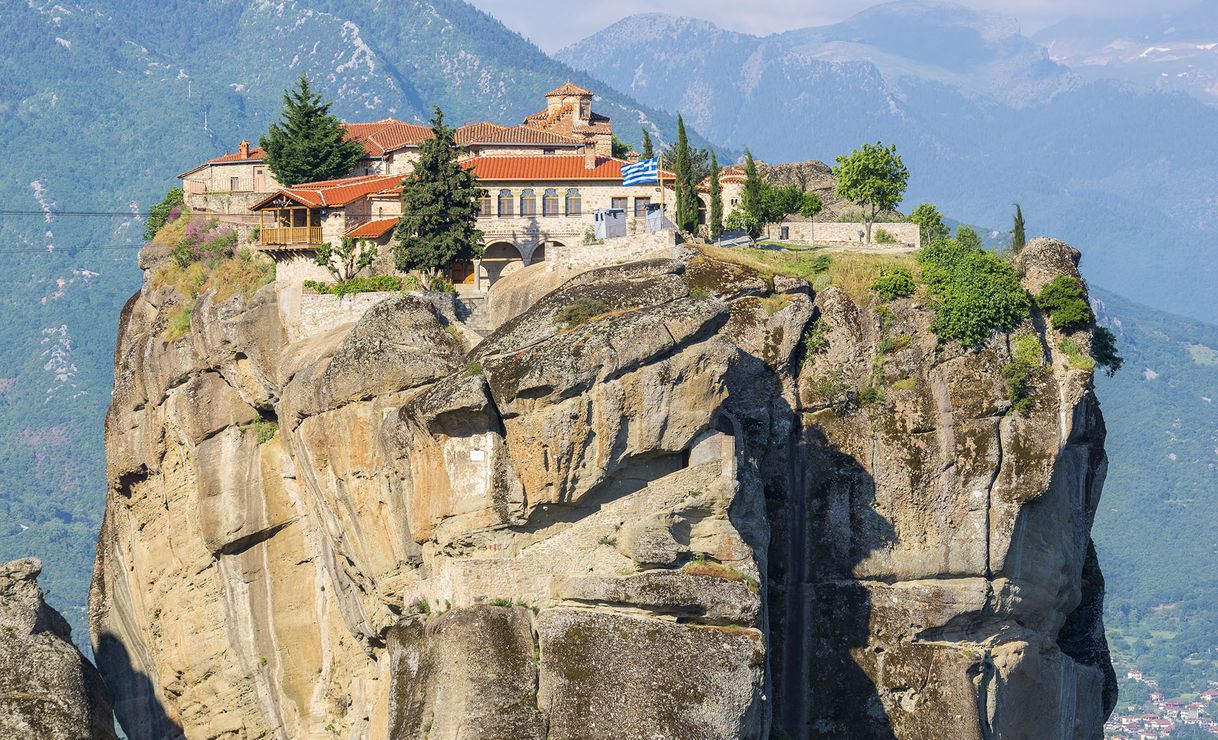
{"points": [[568, 89], [374, 229], [535, 168], [256, 154], [493, 133], [333, 193]]}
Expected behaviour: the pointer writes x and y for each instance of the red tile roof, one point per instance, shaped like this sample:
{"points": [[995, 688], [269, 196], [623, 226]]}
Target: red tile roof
{"points": [[568, 89], [256, 154], [374, 229], [557, 167], [492, 133], [333, 193]]}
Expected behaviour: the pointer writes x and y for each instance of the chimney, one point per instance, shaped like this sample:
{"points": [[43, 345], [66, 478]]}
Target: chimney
{"points": [[589, 153], [244, 148], [632, 156]]}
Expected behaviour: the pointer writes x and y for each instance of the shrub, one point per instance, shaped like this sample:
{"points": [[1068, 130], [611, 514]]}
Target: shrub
{"points": [[581, 311], [265, 430], [472, 368], [501, 602], [1074, 353], [421, 606], [976, 292], [204, 241], [884, 236], [814, 339], [179, 322], [162, 213], [1065, 301], [699, 293], [1104, 351], [1027, 359], [893, 282], [373, 284]]}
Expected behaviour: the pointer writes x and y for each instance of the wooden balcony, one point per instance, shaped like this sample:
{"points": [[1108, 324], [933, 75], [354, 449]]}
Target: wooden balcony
{"points": [[298, 237]]}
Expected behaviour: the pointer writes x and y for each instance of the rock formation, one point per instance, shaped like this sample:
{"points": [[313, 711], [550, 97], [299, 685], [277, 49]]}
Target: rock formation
{"points": [[47, 688], [648, 506]]}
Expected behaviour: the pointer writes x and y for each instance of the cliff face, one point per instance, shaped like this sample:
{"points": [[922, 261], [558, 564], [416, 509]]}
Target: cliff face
{"points": [[47, 688], [642, 508]]}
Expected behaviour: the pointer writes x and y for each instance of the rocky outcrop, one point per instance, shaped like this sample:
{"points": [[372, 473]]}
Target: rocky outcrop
{"points": [[47, 688], [648, 506]]}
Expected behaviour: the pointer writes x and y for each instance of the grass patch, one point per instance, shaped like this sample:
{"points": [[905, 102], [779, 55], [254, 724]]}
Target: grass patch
{"points": [[241, 274], [1075, 354], [265, 430], [421, 606], [506, 603], [1027, 360], [581, 311], [905, 384], [700, 566], [179, 322], [472, 368]]}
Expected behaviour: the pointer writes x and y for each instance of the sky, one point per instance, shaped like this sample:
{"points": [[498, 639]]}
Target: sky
{"points": [[553, 24]]}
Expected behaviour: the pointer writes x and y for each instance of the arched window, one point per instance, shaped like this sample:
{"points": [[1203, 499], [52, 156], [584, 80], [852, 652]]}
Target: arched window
{"points": [[484, 203], [505, 203], [549, 202], [574, 203], [528, 202]]}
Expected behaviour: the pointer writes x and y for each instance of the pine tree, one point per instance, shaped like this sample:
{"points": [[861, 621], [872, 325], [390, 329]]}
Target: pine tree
{"points": [[439, 207], [750, 197], [307, 144], [686, 188], [1019, 237], [716, 199], [648, 150]]}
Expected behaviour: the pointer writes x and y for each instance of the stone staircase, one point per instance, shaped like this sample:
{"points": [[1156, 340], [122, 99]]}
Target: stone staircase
{"points": [[471, 311]]}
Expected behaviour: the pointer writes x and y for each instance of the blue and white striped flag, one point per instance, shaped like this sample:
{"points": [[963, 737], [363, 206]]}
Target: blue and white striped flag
{"points": [[641, 173]]}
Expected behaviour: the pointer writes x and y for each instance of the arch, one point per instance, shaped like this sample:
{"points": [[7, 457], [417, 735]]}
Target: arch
{"points": [[505, 203], [499, 259], [574, 203], [528, 202], [703, 210], [549, 202]]}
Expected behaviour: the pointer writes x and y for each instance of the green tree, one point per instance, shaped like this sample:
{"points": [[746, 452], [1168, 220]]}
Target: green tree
{"points": [[779, 202], [348, 258], [308, 144], [812, 206], [716, 200], [929, 221], [685, 185], [620, 148], [1019, 237], [741, 220], [648, 151], [750, 196], [440, 204], [873, 177], [968, 236], [158, 215], [1065, 300]]}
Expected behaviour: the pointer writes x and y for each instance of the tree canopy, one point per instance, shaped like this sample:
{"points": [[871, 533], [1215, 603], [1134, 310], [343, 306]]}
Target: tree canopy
{"points": [[1019, 237], [648, 151], [715, 217], [307, 144], [685, 185], [440, 204], [873, 177], [929, 221]]}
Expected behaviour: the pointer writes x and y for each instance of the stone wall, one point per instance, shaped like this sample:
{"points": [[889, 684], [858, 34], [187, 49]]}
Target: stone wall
{"points": [[839, 234], [319, 313], [612, 251]]}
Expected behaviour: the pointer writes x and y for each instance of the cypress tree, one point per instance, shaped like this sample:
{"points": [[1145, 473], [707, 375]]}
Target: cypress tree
{"points": [[439, 207], [716, 198], [686, 188], [648, 151], [1018, 236], [750, 197], [307, 143]]}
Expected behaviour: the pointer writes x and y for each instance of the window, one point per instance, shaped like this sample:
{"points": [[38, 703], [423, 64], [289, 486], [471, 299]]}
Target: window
{"points": [[234, 184], [640, 207], [547, 152], [574, 202], [735, 201], [505, 203], [549, 202], [619, 203], [484, 203], [528, 202]]}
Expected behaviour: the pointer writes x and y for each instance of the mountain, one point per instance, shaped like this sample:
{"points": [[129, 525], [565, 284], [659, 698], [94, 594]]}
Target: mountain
{"points": [[1165, 50], [101, 103], [980, 113]]}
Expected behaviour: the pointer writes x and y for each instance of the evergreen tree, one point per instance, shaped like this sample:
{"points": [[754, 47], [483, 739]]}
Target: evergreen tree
{"points": [[716, 199], [1019, 237], [439, 207], [685, 186], [750, 197], [307, 144], [648, 151]]}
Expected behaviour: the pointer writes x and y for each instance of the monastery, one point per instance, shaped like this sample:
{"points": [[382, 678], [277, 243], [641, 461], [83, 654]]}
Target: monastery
{"points": [[548, 181]]}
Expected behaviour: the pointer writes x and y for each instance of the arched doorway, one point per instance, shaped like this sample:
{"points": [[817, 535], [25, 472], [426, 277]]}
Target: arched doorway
{"points": [[500, 259], [701, 210], [539, 252]]}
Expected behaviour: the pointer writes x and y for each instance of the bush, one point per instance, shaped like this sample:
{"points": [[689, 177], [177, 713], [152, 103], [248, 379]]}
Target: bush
{"points": [[1027, 359], [977, 293], [580, 311], [894, 282], [1104, 351], [372, 284], [1065, 301], [204, 241], [162, 213], [265, 430], [884, 236], [179, 322], [1074, 353], [814, 339]]}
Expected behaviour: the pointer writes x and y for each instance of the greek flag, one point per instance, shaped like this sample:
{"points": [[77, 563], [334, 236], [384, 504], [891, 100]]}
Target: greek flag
{"points": [[643, 172]]}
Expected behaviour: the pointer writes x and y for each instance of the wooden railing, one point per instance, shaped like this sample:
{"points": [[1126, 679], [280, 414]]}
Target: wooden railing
{"points": [[301, 235]]}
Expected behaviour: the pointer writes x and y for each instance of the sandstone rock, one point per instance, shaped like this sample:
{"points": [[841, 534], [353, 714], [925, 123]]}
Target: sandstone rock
{"points": [[47, 688]]}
